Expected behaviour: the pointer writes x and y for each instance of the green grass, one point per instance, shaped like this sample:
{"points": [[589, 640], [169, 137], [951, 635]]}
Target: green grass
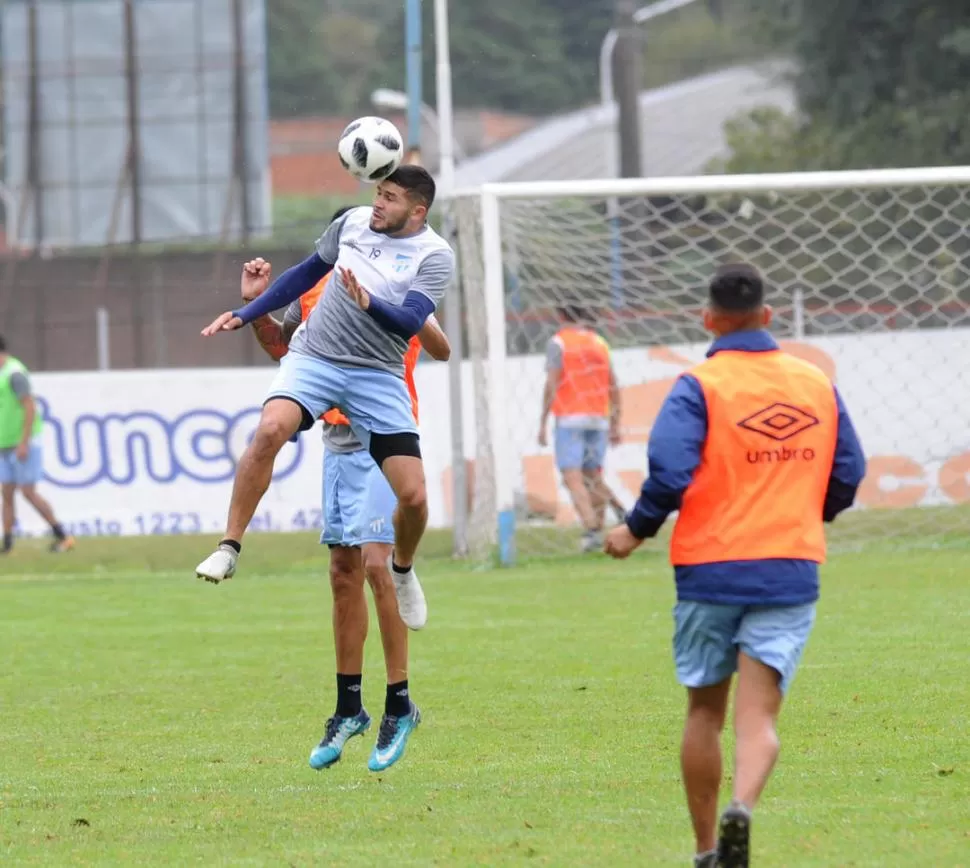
{"points": [[148, 718]]}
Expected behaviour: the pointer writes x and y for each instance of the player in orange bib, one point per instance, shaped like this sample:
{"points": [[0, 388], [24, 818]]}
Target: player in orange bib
{"points": [[358, 505], [756, 450], [581, 392]]}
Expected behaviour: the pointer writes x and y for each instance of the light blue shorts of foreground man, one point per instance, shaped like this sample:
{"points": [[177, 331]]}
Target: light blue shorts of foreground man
{"points": [[375, 401], [708, 636]]}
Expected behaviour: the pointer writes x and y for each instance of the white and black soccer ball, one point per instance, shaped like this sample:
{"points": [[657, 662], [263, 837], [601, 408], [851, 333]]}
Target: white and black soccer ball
{"points": [[370, 149]]}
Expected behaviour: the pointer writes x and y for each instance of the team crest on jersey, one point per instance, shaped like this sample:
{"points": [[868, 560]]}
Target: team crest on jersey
{"points": [[401, 262]]}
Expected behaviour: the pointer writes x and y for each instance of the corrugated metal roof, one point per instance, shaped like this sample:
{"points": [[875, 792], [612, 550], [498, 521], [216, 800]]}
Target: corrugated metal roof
{"points": [[683, 129]]}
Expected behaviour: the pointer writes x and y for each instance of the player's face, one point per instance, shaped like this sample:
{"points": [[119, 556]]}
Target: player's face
{"points": [[393, 209]]}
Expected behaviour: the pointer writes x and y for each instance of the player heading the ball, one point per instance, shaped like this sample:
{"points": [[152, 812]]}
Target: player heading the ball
{"points": [[391, 270]]}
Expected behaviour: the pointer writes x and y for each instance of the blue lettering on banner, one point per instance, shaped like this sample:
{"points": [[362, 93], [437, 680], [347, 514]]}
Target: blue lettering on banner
{"points": [[174, 523], [202, 444]]}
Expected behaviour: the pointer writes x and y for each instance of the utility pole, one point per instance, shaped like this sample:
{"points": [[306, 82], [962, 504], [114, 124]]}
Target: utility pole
{"points": [[628, 74]]}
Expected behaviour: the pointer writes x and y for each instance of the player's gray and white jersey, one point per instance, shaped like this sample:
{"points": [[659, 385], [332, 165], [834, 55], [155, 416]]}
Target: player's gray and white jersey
{"points": [[388, 268]]}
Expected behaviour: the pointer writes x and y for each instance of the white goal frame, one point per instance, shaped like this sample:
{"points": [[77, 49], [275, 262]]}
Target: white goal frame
{"points": [[491, 196]]}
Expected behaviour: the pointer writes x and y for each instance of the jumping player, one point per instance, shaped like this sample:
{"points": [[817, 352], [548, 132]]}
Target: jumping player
{"points": [[390, 270], [358, 505]]}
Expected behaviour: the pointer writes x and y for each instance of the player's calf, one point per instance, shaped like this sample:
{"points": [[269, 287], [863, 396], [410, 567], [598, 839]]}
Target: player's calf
{"points": [[405, 474], [281, 419]]}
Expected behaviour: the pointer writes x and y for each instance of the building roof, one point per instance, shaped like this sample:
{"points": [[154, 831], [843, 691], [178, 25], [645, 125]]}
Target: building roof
{"points": [[303, 151], [683, 129]]}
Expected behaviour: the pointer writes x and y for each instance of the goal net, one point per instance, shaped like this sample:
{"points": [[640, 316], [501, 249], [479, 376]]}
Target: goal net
{"points": [[869, 277]]}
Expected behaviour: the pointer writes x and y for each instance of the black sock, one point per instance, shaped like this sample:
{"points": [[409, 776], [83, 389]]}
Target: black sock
{"points": [[58, 530], [399, 570], [7, 542], [237, 547], [398, 700], [348, 695]]}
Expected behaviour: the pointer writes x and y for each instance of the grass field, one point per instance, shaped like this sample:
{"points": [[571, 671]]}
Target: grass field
{"points": [[149, 718]]}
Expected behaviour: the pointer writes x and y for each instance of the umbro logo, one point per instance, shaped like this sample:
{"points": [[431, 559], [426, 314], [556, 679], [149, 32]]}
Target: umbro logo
{"points": [[779, 422]]}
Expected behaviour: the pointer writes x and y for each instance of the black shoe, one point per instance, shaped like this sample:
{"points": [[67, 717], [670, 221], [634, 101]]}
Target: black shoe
{"points": [[734, 838]]}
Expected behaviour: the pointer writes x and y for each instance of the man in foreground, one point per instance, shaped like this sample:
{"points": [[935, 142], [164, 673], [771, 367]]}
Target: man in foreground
{"points": [[349, 354], [358, 507], [21, 460], [756, 450]]}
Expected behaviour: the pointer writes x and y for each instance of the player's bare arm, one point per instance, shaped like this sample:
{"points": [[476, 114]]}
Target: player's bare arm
{"points": [[30, 412], [548, 396], [434, 341], [270, 332]]}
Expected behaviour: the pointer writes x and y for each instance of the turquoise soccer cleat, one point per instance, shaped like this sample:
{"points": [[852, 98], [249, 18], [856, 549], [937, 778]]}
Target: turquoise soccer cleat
{"points": [[339, 731], [392, 739]]}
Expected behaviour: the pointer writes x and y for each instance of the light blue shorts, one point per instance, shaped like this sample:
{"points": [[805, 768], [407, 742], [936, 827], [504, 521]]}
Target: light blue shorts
{"points": [[708, 636], [580, 448], [358, 503], [15, 472], [375, 401]]}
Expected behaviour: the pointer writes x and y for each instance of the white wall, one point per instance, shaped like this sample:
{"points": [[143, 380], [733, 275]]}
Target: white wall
{"points": [[154, 451]]}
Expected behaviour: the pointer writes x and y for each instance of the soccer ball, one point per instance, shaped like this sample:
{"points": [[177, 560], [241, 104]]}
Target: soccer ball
{"points": [[370, 149]]}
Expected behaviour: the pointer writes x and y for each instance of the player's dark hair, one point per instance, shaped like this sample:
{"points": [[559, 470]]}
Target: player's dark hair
{"points": [[3, 345], [343, 209], [417, 181], [737, 288]]}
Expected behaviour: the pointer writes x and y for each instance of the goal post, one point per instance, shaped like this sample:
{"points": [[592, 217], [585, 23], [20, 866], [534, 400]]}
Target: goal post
{"points": [[868, 273]]}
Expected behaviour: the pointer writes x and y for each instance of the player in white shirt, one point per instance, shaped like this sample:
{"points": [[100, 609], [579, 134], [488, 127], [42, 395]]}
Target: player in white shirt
{"points": [[391, 270]]}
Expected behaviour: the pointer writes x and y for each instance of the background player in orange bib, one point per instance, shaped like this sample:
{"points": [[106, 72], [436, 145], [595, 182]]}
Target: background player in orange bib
{"points": [[358, 505], [582, 394], [756, 450]]}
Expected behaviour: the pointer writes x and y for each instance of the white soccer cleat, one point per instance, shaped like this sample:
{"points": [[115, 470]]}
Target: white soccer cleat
{"points": [[410, 598], [219, 566]]}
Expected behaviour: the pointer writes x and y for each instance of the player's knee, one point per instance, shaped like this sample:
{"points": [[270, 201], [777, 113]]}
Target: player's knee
{"points": [[709, 717], [413, 495], [270, 436], [378, 576], [345, 579], [573, 480]]}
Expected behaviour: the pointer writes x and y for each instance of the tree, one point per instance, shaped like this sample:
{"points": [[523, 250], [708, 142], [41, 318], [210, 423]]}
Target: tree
{"points": [[511, 54], [295, 64], [323, 57], [878, 85]]}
